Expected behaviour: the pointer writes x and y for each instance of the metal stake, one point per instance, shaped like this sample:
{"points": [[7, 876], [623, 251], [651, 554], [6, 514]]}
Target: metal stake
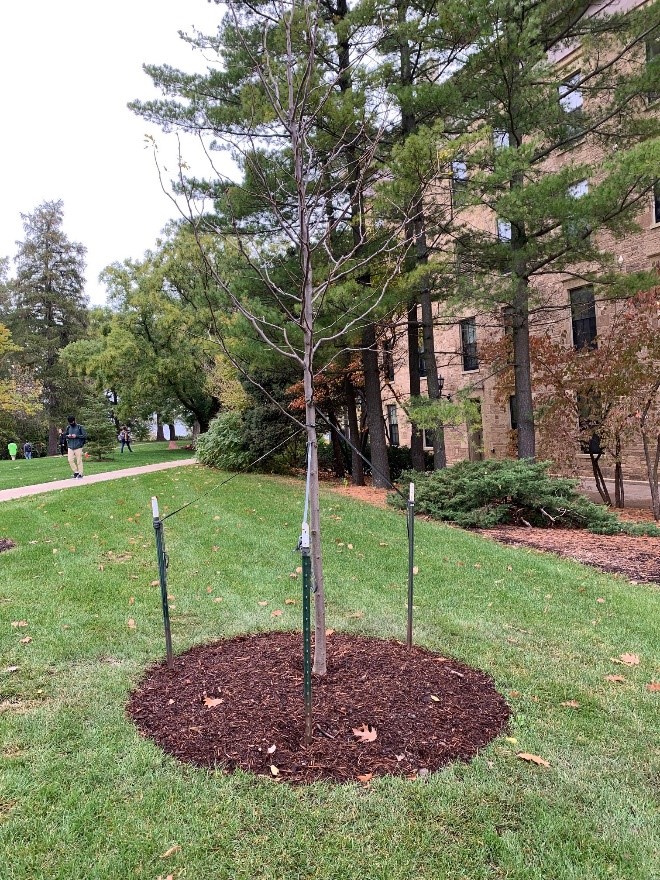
{"points": [[411, 551], [162, 575], [307, 629]]}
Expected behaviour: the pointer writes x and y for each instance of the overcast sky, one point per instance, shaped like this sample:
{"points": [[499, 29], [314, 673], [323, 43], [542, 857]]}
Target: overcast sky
{"points": [[68, 69]]}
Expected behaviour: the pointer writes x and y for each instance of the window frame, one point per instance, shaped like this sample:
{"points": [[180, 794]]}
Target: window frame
{"points": [[468, 336], [393, 424], [584, 325]]}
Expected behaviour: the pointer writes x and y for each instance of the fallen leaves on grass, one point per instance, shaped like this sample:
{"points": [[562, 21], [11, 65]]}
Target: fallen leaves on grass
{"points": [[131, 624], [26, 640], [277, 613], [533, 759], [274, 770], [629, 659], [329, 632], [365, 733], [571, 704], [365, 778], [289, 601], [615, 678], [653, 686], [19, 623], [356, 614], [263, 604], [170, 852]]}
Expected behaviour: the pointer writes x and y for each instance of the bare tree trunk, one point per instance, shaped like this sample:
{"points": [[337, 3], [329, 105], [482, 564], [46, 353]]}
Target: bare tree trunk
{"points": [[619, 497], [357, 465], [522, 370], [160, 433], [195, 431], [337, 455], [416, 438], [377, 440], [652, 457], [172, 431], [53, 439], [601, 485]]}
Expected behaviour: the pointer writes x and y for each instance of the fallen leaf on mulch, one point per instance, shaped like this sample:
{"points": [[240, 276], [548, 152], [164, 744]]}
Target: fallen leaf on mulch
{"points": [[276, 613], [26, 640], [571, 704], [534, 759], [130, 623], [366, 777], [19, 623], [653, 686], [212, 702], [274, 770], [365, 733], [435, 699], [171, 851], [615, 678], [329, 632], [271, 749]]}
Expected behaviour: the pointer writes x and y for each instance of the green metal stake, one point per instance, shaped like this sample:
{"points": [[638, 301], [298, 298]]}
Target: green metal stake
{"points": [[411, 550], [162, 575], [307, 629]]}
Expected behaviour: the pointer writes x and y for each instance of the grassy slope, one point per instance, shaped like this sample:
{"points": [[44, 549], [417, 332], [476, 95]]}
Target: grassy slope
{"points": [[81, 795], [56, 467]]}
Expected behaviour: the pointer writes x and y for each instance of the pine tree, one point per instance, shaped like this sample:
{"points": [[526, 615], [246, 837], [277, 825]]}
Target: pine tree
{"points": [[48, 308]]}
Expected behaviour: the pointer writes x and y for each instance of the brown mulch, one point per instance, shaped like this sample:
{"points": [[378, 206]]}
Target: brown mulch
{"points": [[6, 544], [636, 558], [427, 710]]}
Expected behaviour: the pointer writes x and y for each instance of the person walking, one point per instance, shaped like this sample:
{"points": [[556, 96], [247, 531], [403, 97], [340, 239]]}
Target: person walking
{"points": [[62, 441], [27, 449], [12, 448], [75, 440], [125, 438]]}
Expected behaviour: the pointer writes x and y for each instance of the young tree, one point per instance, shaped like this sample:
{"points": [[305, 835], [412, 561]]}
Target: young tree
{"points": [[48, 308], [270, 98], [552, 156]]}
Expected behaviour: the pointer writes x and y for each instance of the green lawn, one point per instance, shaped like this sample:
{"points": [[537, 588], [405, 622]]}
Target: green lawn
{"points": [[56, 467], [83, 796]]}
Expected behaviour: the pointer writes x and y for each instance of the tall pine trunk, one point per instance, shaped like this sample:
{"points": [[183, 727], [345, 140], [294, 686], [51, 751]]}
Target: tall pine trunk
{"points": [[374, 402]]}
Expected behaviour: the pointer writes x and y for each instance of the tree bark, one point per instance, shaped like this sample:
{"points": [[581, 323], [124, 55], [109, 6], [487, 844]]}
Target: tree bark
{"points": [[172, 431], [416, 438], [374, 402], [601, 485], [357, 465], [337, 454], [522, 370], [160, 433]]}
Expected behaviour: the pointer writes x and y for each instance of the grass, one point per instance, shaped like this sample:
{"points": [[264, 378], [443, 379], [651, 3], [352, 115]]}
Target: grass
{"points": [[56, 467], [82, 795]]}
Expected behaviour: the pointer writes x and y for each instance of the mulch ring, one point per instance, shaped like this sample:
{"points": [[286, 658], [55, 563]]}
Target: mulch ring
{"points": [[427, 710], [636, 558], [6, 544]]}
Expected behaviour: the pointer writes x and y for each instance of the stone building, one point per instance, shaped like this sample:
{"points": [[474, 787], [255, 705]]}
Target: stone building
{"points": [[577, 316]]}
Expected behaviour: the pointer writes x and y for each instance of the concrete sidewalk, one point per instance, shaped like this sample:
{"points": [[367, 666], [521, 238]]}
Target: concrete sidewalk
{"points": [[70, 483], [636, 493]]}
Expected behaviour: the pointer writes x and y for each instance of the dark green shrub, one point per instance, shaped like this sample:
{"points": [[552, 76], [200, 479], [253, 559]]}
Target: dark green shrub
{"points": [[485, 494], [222, 445]]}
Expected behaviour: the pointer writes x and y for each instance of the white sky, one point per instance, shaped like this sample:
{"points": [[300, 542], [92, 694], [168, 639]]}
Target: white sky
{"points": [[67, 71]]}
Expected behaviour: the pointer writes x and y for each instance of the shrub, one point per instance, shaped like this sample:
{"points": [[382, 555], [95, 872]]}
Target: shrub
{"points": [[222, 445], [485, 494]]}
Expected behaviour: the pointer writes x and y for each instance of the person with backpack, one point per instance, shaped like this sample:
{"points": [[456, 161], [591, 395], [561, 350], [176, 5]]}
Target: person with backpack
{"points": [[124, 438], [27, 449], [75, 440]]}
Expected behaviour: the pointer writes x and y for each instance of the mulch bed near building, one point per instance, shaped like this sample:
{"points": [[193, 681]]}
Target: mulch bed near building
{"points": [[238, 703], [636, 558], [6, 544]]}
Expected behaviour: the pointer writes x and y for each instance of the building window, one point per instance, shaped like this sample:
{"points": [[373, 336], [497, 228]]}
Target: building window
{"points": [[656, 202], [428, 436], [421, 360], [579, 189], [459, 180], [469, 344], [513, 411], [504, 230], [583, 317], [388, 360], [571, 101], [500, 139], [393, 422], [652, 54]]}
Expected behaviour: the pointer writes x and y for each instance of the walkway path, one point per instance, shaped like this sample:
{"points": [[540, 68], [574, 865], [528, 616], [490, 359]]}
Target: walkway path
{"points": [[70, 483]]}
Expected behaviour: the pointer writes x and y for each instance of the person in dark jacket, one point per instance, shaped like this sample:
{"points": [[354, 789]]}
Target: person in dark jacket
{"points": [[62, 441], [75, 440]]}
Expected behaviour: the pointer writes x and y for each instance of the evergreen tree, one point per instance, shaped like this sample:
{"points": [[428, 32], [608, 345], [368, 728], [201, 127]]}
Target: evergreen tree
{"points": [[549, 132], [97, 420], [48, 308]]}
